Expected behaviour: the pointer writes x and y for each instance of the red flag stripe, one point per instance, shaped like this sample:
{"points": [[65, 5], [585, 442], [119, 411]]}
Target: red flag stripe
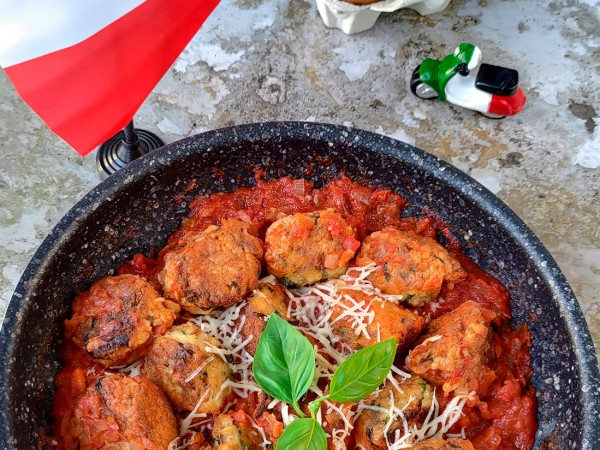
{"points": [[88, 92]]}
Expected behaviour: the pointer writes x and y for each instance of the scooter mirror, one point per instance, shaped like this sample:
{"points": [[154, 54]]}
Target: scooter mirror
{"points": [[463, 69]]}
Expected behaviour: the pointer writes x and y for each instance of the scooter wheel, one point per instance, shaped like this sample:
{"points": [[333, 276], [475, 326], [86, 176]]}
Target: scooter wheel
{"points": [[420, 89], [492, 116]]}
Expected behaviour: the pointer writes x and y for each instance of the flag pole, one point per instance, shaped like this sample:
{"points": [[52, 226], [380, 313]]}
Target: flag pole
{"points": [[124, 147]]}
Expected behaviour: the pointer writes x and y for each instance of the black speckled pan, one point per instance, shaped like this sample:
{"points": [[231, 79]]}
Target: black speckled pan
{"points": [[134, 211]]}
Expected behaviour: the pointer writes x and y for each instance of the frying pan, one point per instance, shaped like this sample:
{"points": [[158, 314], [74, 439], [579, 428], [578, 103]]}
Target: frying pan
{"points": [[136, 209]]}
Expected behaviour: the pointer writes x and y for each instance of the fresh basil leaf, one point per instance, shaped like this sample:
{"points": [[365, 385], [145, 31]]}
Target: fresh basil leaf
{"points": [[284, 362], [361, 373], [302, 434]]}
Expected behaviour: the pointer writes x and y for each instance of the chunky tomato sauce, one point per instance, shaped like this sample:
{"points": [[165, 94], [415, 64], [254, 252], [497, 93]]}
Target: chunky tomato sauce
{"points": [[78, 372], [504, 418], [477, 286], [504, 414]]}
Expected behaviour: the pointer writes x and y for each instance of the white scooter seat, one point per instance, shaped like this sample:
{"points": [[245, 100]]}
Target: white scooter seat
{"points": [[462, 92]]}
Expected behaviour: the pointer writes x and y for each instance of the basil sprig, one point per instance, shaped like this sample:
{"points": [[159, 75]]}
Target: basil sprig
{"points": [[284, 362], [284, 366]]}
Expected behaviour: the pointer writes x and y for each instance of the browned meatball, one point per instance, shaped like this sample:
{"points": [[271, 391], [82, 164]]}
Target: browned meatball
{"points": [[302, 249], [234, 431], [264, 301], [453, 352], [411, 264], [118, 412], [173, 359], [227, 435], [389, 321], [415, 401], [443, 444], [117, 319], [213, 269]]}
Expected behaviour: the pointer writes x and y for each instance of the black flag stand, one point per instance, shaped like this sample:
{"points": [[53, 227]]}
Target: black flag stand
{"points": [[124, 147]]}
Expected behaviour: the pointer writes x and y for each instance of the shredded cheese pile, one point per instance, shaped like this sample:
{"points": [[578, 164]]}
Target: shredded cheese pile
{"points": [[226, 328], [356, 279], [435, 424], [311, 309]]}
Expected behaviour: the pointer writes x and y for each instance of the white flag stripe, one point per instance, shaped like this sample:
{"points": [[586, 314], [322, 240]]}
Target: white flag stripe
{"points": [[32, 28]]}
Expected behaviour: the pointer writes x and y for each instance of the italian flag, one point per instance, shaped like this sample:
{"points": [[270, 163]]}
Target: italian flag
{"points": [[86, 66]]}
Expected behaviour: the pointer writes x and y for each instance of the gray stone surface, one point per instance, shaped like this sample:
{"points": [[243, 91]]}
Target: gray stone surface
{"points": [[275, 60]]}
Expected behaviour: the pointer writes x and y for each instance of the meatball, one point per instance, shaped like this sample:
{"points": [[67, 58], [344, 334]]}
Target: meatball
{"points": [[117, 319], [443, 444], [453, 352], [234, 431], [226, 434], [387, 320], [173, 361], [302, 249], [118, 412], [215, 268], [414, 401], [267, 299], [411, 264]]}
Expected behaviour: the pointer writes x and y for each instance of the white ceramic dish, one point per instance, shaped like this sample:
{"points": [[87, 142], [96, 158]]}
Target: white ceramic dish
{"points": [[352, 19]]}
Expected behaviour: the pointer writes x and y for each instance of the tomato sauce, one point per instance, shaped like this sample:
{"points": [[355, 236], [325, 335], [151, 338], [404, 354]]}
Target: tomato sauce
{"points": [[78, 372], [503, 416], [478, 286]]}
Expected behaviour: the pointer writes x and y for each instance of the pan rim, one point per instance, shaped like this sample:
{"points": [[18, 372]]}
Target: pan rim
{"points": [[374, 143]]}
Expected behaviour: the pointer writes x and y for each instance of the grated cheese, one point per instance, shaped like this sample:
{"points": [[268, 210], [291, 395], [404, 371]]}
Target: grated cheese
{"points": [[390, 378], [437, 337], [132, 370], [186, 423], [333, 407], [356, 279], [400, 441], [312, 308], [400, 372], [265, 442], [192, 375], [436, 425], [226, 327], [273, 404], [181, 444], [286, 417]]}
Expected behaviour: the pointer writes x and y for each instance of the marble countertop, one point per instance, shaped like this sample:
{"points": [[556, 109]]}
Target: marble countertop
{"points": [[260, 60]]}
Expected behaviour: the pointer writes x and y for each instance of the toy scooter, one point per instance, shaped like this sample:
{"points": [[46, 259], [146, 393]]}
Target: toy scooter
{"points": [[494, 91]]}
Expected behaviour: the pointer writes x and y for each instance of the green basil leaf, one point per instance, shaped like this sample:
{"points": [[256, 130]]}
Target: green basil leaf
{"points": [[361, 373], [284, 362], [302, 434]]}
